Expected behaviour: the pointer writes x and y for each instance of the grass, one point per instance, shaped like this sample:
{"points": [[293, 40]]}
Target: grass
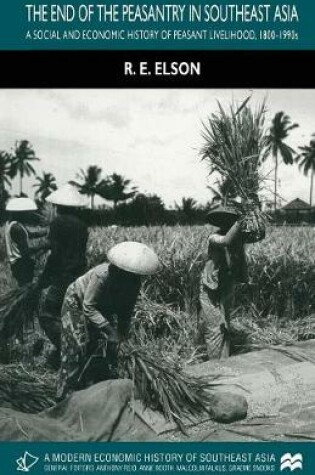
{"points": [[281, 268], [274, 308]]}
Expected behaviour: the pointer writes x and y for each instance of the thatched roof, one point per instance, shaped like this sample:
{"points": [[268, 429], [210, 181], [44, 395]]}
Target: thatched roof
{"points": [[297, 205]]}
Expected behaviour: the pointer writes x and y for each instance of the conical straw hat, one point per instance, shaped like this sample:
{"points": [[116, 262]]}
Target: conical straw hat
{"points": [[21, 204], [134, 257], [222, 214], [67, 195]]}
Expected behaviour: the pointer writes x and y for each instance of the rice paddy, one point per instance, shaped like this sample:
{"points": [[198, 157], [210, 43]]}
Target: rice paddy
{"points": [[276, 306]]}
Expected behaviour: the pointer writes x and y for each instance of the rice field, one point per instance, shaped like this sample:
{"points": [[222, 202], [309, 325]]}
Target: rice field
{"points": [[276, 306], [281, 268]]}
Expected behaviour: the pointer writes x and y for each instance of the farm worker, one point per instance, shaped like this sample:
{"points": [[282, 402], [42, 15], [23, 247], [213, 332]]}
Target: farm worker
{"points": [[96, 315], [20, 250], [225, 267], [67, 259]]}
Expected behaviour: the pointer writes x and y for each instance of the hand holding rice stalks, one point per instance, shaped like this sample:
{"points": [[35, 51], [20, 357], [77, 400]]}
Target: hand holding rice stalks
{"points": [[253, 222]]}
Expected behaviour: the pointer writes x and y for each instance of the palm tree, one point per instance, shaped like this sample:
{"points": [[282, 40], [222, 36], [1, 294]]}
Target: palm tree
{"points": [[306, 161], [275, 145], [91, 183], [45, 185], [5, 163], [116, 190], [187, 208], [20, 164]]}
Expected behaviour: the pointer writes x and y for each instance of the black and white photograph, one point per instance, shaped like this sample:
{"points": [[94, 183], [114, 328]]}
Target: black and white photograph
{"points": [[157, 265]]}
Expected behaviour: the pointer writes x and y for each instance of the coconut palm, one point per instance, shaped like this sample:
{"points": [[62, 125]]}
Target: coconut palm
{"points": [[45, 185], [116, 189], [21, 161], [91, 182], [187, 208], [188, 205], [5, 163], [306, 160], [279, 131]]}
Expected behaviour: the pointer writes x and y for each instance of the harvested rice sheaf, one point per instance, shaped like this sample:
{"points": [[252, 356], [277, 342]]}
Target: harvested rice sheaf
{"points": [[163, 385], [234, 148], [17, 309], [26, 390]]}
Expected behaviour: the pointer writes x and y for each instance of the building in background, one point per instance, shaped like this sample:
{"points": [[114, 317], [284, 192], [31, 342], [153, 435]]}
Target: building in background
{"points": [[296, 212]]}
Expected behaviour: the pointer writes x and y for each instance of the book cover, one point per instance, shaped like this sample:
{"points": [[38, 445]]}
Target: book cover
{"points": [[157, 237]]}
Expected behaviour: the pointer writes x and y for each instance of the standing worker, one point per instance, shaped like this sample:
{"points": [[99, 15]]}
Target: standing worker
{"points": [[96, 315], [226, 267], [18, 239], [67, 259]]}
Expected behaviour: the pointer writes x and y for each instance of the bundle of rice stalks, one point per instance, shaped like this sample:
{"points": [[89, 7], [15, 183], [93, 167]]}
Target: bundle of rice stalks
{"points": [[26, 391], [164, 386], [153, 320], [253, 221], [235, 147], [17, 309], [165, 330]]}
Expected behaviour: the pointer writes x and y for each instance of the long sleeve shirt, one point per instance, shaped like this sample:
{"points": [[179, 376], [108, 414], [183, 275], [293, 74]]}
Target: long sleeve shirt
{"points": [[101, 303]]}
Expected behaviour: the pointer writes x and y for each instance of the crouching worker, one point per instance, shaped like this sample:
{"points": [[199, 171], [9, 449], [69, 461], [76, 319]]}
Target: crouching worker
{"points": [[226, 267], [96, 316]]}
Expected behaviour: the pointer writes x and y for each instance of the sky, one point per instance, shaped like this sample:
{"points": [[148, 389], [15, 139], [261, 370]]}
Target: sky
{"points": [[150, 136]]}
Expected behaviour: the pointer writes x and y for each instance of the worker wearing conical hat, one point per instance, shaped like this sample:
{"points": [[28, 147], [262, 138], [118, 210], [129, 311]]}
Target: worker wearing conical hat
{"points": [[225, 268], [96, 315], [68, 236], [18, 239]]}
